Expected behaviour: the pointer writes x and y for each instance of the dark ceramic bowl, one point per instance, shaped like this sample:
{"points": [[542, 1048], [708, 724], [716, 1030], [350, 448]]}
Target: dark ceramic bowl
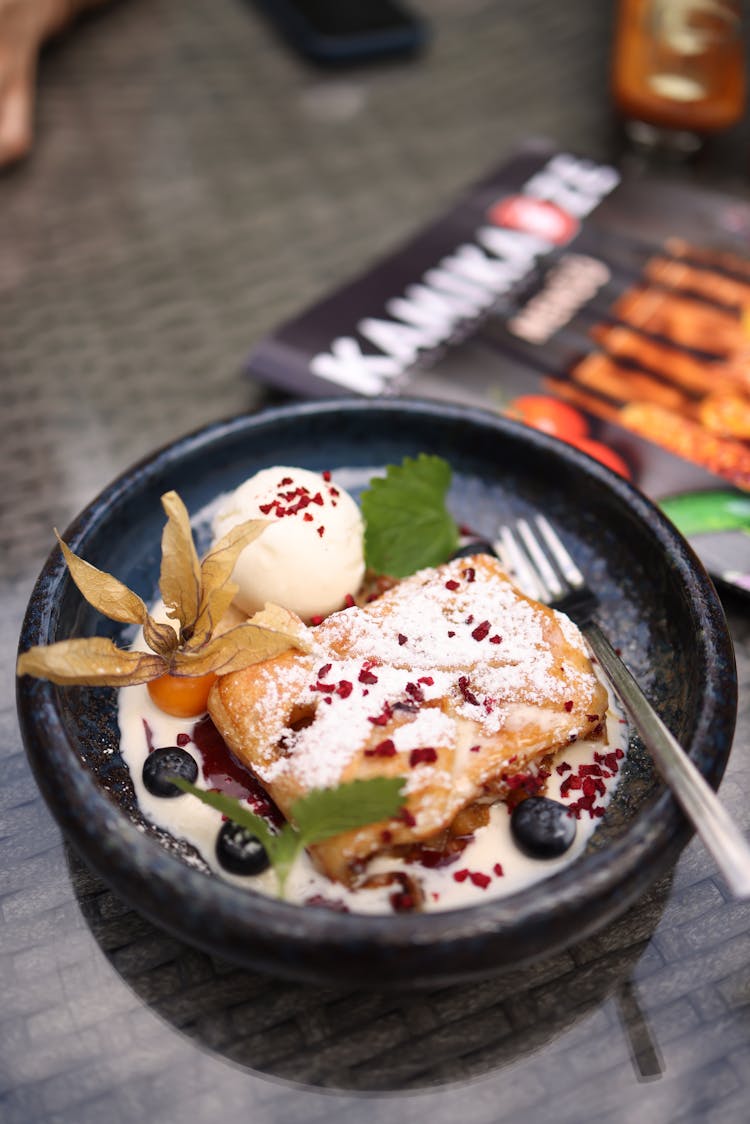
{"points": [[658, 606]]}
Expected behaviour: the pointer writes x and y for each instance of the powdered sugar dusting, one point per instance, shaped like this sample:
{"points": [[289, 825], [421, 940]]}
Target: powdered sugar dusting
{"points": [[456, 633], [428, 728], [570, 632]]}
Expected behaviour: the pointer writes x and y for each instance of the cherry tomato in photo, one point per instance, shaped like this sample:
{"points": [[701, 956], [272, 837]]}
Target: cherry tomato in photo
{"points": [[604, 455], [550, 415]]}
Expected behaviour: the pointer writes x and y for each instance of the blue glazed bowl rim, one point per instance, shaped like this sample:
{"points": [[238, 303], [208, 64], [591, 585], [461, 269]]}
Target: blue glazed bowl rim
{"points": [[218, 915]]}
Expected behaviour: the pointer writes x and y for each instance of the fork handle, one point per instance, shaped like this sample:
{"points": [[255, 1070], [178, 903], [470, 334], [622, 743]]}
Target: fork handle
{"points": [[698, 800]]}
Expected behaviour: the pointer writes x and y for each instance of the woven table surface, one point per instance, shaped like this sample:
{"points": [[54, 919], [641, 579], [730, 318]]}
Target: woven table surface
{"points": [[194, 183]]}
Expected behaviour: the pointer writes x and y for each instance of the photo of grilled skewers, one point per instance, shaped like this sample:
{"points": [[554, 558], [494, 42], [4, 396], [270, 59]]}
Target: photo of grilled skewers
{"points": [[671, 360]]}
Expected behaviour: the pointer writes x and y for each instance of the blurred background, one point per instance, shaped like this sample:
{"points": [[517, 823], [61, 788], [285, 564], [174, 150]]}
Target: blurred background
{"points": [[194, 181]]}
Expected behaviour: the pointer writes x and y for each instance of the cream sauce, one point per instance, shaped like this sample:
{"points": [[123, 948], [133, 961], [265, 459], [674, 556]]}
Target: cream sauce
{"points": [[492, 854]]}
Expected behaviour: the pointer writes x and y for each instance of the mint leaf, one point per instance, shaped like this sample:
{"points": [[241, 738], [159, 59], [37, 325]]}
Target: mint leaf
{"points": [[407, 525], [287, 845], [232, 809], [319, 815], [330, 811]]}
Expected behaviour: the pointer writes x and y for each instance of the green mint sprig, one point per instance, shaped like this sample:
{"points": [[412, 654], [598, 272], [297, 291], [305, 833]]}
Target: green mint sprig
{"points": [[407, 523], [319, 815]]}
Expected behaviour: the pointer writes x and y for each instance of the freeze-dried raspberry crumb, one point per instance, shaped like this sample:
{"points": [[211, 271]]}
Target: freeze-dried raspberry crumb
{"points": [[383, 718], [570, 783], [382, 749], [468, 694], [423, 755], [327, 903]]}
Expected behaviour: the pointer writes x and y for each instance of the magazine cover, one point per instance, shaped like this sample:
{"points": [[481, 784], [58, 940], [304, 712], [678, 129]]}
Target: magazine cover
{"points": [[612, 312]]}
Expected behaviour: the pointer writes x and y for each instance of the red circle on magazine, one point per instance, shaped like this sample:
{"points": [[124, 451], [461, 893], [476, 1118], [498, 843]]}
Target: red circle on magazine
{"points": [[534, 216]]}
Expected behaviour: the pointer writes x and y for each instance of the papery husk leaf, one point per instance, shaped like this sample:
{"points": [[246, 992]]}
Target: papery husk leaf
{"points": [[233, 650], [94, 661], [283, 620], [160, 636], [217, 590], [103, 591], [180, 577]]}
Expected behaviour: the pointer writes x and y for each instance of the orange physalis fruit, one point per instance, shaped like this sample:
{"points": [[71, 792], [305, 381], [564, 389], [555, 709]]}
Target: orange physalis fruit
{"points": [[181, 696]]}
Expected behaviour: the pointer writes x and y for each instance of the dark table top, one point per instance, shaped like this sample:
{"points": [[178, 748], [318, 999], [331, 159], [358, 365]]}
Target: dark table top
{"points": [[193, 184]]}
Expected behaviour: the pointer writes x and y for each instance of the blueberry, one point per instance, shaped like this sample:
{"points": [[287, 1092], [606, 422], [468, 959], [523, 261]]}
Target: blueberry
{"points": [[542, 828], [239, 851], [169, 761], [476, 546]]}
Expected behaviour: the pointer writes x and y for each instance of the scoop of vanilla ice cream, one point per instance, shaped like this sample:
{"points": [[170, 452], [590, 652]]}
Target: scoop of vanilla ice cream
{"points": [[312, 554]]}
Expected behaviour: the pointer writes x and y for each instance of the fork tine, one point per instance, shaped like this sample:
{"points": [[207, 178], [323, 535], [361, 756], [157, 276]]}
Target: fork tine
{"points": [[525, 559], [516, 562], [568, 568], [545, 571]]}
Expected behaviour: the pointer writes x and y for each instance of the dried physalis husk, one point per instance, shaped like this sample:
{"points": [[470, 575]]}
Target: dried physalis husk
{"points": [[94, 661], [217, 591], [180, 575], [197, 596]]}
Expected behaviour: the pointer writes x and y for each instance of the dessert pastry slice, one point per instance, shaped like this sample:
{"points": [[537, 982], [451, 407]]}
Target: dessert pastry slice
{"points": [[453, 679]]}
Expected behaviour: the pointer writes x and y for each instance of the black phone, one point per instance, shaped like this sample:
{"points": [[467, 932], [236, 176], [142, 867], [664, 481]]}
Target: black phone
{"points": [[337, 32]]}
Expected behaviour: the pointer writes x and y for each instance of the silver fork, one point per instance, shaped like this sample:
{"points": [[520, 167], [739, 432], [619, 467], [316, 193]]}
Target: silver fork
{"points": [[544, 570]]}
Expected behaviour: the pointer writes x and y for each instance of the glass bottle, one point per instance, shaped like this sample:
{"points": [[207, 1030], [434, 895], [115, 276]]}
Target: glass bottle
{"points": [[678, 68]]}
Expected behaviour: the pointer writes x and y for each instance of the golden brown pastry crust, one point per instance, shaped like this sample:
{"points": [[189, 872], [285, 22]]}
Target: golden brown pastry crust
{"points": [[453, 679]]}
